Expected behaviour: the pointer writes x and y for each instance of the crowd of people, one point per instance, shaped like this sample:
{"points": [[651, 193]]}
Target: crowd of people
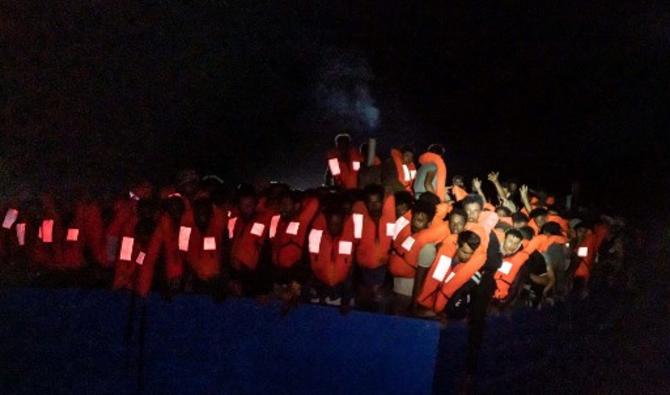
{"points": [[388, 236]]}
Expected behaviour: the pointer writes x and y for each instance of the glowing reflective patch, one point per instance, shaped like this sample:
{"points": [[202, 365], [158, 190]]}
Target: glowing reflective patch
{"points": [[334, 166], [390, 230], [39, 232], [315, 241], [443, 265], [400, 224], [184, 237], [126, 253], [345, 247], [292, 228], [356, 165], [412, 174], [133, 196], [451, 275], [10, 218], [209, 244], [229, 213], [231, 227], [408, 243], [140, 258], [257, 229], [72, 234], [273, 225], [21, 233], [505, 268], [582, 252], [358, 226], [47, 230], [405, 173]]}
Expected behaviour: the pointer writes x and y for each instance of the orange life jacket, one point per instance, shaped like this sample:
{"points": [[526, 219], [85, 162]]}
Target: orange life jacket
{"points": [[507, 274], [562, 222], [247, 239], [440, 175], [542, 243], [203, 251], [406, 173], [587, 251], [345, 174], [287, 238], [405, 253], [374, 239], [331, 257]]}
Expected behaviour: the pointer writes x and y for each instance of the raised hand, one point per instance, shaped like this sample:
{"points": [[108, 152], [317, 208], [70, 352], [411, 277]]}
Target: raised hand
{"points": [[476, 184], [493, 176]]}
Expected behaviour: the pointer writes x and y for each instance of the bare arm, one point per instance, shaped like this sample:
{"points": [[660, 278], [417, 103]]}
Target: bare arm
{"points": [[524, 197], [477, 187], [428, 182]]}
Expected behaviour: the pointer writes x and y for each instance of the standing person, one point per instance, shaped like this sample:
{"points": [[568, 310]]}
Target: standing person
{"points": [[432, 175], [404, 167], [344, 163]]}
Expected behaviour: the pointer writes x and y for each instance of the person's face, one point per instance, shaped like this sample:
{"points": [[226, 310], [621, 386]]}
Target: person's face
{"points": [[247, 207], [400, 209], [464, 253], [203, 213], [175, 208], [473, 210], [540, 220], [459, 182], [511, 244], [287, 208], [374, 206], [581, 233], [420, 221], [335, 224], [342, 143], [456, 224], [407, 157], [512, 187]]}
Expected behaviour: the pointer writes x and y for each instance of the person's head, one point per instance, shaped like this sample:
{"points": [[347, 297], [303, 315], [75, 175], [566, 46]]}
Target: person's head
{"points": [[519, 220], [202, 212], [374, 200], [527, 232], [503, 211], [407, 154], [247, 201], [174, 207], [422, 215], [504, 226], [430, 197], [403, 203], [512, 242], [458, 181], [343, 141], [436, 149], [334, 220], [457, 220], [472, 204], [187, 182], [539, 215], [512, 185], [143, 189], [468, 242], [147, 214], [289, 205], [580, 230], [551, 229]]}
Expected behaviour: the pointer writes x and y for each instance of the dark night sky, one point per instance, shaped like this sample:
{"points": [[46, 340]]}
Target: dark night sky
{"points": [[241, 88]]}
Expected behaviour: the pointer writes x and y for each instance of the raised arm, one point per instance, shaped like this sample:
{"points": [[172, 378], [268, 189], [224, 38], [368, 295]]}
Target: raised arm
{"points": [[523, 191]]}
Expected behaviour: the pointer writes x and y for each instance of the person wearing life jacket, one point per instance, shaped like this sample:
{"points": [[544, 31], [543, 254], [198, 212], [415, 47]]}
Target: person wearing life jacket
{"points": [[432, 175], [344, 163], [403, 203], [137, 239], [507, 192], [538, 217], [404, 168], [201, 243], [374, 227], [331, 248], [369, 174], [248, 231], [288, 234], [458, 188], [586, 247], [414, 246], [519, 220], [511, 273], [548, 266], [124, 209]]}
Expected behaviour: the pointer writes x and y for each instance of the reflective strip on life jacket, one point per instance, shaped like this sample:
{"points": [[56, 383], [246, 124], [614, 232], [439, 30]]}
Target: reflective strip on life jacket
{"points": [[273, 225], [126, 253], [21, 233], [477, 277], [358, 226], [345, 247], [292, 228], [412, 175], [72, 234], [390, 229], [315, 241], [400, 224], [257, 229], [334, 166], [583, 252], [209, 244], [406, 173], [47, 230], [10, 218], [443, 265], [231, 227], [356, 165], [408, 243], [505, 268], [184, 237], [140, 258]]}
